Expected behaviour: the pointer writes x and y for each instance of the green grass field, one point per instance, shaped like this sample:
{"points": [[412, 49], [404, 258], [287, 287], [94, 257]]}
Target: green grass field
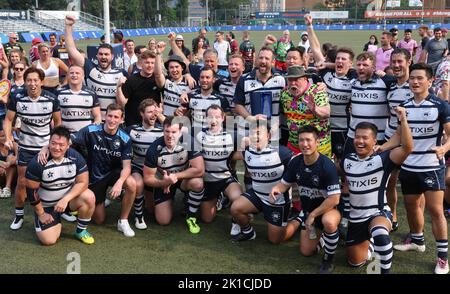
{"points": [[172, 249]]}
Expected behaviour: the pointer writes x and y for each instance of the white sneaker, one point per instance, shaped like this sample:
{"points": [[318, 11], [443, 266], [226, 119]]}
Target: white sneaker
{"points": [[107, 202], [6, 193], [441, 267], [140, 224], [68, 217], [409, 246], [235, 229], [124, 227], [16, 224]]}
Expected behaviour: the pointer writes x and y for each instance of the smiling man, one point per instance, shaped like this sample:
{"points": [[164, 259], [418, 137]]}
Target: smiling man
{"points": [[109, 160], [102, 78], [37, 109]]}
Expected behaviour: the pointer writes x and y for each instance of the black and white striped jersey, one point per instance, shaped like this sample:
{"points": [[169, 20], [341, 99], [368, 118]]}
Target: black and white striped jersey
{"points": [[339, 90], [103, 83], [426, 121], [36, 116], [76, 108], [367, 180], [397, 94], [171, 97], [369, 103], [173, 161], [217, 150], [56, 178], [266, 169], [198, 104], [141, 139]]}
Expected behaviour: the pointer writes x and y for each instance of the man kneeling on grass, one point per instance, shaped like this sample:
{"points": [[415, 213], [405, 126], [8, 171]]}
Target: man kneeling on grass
{"points": [[62, 181]]}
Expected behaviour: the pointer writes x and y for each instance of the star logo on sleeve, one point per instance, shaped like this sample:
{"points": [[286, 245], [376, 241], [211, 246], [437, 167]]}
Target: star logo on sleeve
{"points": [[24, 107], [163, 161], [253, 85], [50, 175], [65, 100], [138, 136], [349, 165], [249, 158]]}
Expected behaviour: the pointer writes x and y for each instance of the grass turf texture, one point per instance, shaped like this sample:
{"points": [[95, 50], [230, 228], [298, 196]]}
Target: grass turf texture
{"points": [[172, 249]]}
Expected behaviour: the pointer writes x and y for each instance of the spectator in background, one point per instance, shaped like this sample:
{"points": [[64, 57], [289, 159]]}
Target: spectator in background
{"points": [[118, 39], [304, 42], [372, 45], [197, 51], [383, 54], [152, 45], [408, 42], [34, 52], [394, 40], [234, 46], [129, 57], [12, 44], [52, 42], [444, 36], [247, 50], [179, 40], [201, 34], [223, 49], [281, 47], [434, 50]]}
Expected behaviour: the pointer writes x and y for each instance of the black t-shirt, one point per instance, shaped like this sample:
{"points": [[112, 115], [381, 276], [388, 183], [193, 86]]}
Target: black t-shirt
{"points": [[136, 89], [424, 42]]}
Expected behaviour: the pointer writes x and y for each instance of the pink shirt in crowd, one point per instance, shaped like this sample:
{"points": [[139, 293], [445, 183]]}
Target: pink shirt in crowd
{"points": [[383, 58], [408, 45]]}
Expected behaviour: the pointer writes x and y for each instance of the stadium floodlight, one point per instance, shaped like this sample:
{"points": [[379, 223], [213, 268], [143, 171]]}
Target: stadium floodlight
{"points": [[106, 27]]}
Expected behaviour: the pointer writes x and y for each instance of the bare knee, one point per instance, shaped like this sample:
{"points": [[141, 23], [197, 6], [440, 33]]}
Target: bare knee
{"points": [[196, 184]]}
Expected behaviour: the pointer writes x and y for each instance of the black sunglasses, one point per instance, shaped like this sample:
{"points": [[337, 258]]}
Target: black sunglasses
{"points": [[19, 68]]}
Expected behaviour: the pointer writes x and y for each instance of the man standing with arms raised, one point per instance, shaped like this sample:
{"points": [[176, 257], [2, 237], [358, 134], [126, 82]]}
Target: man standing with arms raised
{"points": [[102, 78]]}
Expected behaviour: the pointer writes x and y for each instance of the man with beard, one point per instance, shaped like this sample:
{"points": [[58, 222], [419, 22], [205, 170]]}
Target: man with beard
{"points": [[227, 87], [102, 79], [383, 54], [142, 136], [398, 93], [168, 166], [434, 50], [140, 86], [259, 92], [201, 99]]}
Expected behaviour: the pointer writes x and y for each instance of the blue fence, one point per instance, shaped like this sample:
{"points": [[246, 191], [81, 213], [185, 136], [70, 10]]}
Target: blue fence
{"points": [[79, 35]]}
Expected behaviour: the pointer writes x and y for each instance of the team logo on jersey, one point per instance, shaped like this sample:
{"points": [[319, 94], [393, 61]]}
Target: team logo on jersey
{"points": [[249, 158], [99, 138], [349, 165], [429, 181], [297, 176], [86, 100], [369, 165], [308, 170], [65, 99], [195, 103], [50, 175], [275, 216], [45, 108], [426, 114], [24, 107], [116, 144], [315, 180], [159, 148], [252, 85]]}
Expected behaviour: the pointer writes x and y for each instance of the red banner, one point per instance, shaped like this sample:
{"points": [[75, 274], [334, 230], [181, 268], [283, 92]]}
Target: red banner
{"points": [[407, 14]]}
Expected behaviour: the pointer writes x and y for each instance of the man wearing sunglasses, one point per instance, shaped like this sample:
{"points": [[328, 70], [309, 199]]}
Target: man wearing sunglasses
{"points": [[12, 44]]}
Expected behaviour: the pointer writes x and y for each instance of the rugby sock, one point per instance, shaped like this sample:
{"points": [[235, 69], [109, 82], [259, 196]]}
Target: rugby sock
{"points": [[247, 183], [382, 246], [19, 213], [194, 200], [139, 206], [442, 248], [346, 199], [331, 242], [248, 229], [370, 250], [418, 239], [82, 224]]}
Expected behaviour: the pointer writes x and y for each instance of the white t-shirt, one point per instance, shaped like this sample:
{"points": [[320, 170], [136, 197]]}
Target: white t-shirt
{"points": [[222, 49]]}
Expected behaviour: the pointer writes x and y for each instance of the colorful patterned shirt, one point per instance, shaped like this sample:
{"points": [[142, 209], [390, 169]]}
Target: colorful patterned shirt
{"points": [[298, 115]]}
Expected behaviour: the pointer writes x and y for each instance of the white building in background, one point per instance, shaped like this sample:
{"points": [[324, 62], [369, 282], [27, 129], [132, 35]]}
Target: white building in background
{"points": [[268, 5]]}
